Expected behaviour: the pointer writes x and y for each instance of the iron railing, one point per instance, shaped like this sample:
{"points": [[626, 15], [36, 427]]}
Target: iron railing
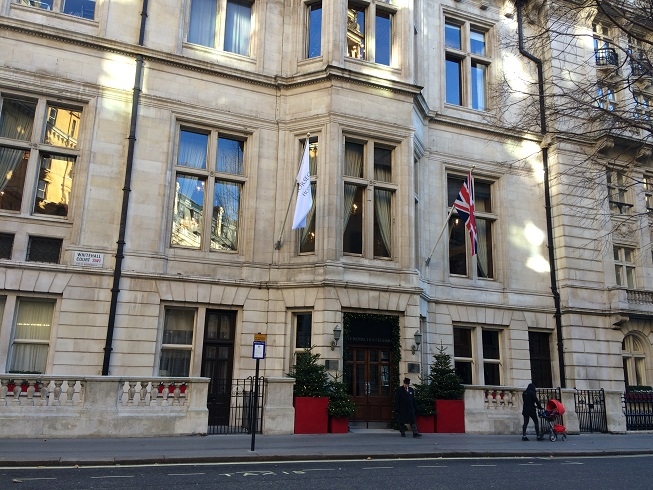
{"points": [[606, 57], [546, 394], [590, 408], [638, 408], [231, 406]]}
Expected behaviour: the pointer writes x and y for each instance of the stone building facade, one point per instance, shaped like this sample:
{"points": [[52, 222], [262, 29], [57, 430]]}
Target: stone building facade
{"points": [[206, 107]]}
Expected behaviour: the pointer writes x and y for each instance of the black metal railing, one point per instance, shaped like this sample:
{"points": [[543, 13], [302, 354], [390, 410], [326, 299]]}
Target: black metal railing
{"points": [[231, 406], [546, 394], [590, 409], [638, 408], [606, 57]]}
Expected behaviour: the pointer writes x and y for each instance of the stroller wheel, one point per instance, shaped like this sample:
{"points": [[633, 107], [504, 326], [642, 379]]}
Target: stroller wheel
{"points": [[553, 436]]}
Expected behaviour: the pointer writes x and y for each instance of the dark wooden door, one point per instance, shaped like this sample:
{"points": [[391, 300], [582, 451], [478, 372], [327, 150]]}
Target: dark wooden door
{"points": [[368, 373], [217, 363]]}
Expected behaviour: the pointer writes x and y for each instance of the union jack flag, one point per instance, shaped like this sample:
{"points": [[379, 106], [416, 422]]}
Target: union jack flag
{"points": [[464, 206]]}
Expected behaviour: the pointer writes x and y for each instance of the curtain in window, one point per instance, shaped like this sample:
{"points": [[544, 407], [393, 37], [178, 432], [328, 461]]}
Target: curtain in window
{"points": [[310, 220], [9, 161], [226, 207], [16, 122], [353, 167], [383, 215], [237, 27], [201, 28], [482, 264], [33, 323]]}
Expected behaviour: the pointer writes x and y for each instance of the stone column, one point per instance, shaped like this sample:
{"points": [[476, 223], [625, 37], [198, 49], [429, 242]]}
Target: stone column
{"points": [[278, 410]]}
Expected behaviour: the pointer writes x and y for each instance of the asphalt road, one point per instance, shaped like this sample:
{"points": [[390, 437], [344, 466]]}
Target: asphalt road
{"points": [[624, 472]]}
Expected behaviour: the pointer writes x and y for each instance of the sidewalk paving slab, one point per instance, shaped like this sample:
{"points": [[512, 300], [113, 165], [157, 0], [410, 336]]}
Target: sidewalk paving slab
{"points": [[360, 444]]}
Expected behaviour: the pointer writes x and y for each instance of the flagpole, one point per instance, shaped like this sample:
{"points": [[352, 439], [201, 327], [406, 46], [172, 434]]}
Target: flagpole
{"points": [[446, 223], [277, 246]]}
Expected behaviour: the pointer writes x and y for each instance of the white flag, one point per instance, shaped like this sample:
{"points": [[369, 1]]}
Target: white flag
{"points": [[304, 197]]}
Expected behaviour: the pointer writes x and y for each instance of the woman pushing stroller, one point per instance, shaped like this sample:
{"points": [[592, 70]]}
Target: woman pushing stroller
{"points": [[531, 405]]}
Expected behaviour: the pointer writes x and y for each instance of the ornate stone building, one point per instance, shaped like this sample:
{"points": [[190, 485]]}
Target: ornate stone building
{"points": [[148, 174]]}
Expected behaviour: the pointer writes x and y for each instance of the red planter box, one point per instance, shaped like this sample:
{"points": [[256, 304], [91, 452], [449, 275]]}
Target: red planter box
{"points": [[311, 416], [426, 423], [450, 416], [338, 425]]}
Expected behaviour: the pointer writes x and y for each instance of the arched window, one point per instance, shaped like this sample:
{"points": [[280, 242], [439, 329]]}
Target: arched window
{"points": [[634, 359]]}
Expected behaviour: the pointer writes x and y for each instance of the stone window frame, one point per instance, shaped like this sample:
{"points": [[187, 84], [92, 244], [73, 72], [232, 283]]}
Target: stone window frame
{"points": [[465, 58]]}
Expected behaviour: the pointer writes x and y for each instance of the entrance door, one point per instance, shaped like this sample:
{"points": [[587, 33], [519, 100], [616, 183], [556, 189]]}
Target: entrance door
{"points": [[217, 363], [368, 372]]}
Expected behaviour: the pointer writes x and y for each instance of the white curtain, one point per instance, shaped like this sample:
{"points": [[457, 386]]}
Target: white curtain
{"points": [[33, 323], [201, 29], [354, 168], [16, 122], [383, 215], [310, 219], [482, 249], [238, 27]]}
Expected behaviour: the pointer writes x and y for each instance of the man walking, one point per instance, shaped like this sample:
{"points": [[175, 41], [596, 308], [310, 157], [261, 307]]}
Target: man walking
{"points": [[406, 408]]}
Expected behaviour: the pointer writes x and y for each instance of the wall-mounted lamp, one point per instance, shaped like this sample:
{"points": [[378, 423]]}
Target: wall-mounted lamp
{"points": [[336, 336], [418, 341]]}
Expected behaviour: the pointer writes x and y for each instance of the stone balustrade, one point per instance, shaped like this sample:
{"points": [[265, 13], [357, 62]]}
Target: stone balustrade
{"points": [[68, 406]]}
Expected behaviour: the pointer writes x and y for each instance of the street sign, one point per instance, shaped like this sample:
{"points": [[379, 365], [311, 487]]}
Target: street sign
{"points": [[260, 337], [258, 350]]}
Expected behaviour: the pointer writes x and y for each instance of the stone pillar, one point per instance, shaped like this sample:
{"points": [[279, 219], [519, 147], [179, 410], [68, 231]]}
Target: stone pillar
{"points": [[614, 412], [278, 410], [570, 417]]}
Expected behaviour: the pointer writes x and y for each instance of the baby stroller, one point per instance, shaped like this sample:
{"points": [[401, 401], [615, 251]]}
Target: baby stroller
{"points": [[554, 409]]}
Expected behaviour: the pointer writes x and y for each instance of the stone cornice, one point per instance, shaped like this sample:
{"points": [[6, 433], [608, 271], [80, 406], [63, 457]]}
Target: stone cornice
{"points": [[183, 62]]}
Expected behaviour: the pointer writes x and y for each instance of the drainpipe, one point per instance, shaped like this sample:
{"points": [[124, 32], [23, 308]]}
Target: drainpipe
{"points": [[547, 195], [117, 271]]}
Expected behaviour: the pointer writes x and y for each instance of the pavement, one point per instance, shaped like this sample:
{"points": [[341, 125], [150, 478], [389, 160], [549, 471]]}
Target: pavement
{"points": [[357, 444]]}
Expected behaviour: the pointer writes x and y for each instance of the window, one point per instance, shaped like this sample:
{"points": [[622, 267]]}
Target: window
{"points": [[314, 30], [539, 347], [307, 234], [6, 245], [462, 352], [31, 342], [483, 344], [466, 64], [640, 64], [459, 246], [648, 192], [232, 30], [42, 249], [605, 98], [634, 361], [618, 195], [206, 207], [604, 53], [491, 357], [50, 144], [379, 33], [368, 195], [303, 330], [642, 107], [177, 342], [78, 8], [624, 266]]}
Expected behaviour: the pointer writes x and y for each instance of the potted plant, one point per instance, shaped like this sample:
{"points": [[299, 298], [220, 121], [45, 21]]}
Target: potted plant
{"points": [[161, 387], [310, 394], [11, 384], [447, 391], [425, 407], [340, 407], [182, 388]]}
